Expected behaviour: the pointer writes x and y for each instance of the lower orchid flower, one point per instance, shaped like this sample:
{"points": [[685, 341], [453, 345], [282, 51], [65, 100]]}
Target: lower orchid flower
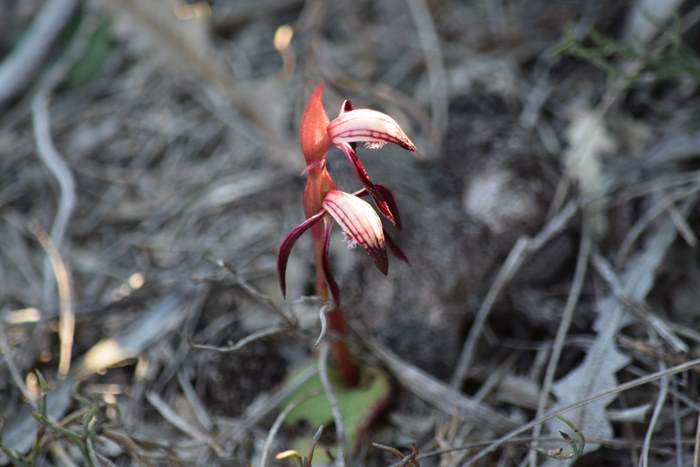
{"points": [[361, 226]]}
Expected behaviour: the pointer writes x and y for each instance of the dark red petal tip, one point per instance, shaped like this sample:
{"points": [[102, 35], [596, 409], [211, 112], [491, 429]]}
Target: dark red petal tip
{"points": [[380, 260], [394, 247], [377, 194], [288, 243], [390, 202]]}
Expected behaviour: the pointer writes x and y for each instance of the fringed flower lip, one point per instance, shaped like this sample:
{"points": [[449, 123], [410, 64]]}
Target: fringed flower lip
{"points": [[358, 221], [368, 126]]}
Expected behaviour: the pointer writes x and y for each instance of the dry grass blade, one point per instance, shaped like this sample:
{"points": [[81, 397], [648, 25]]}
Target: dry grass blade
{"points": [[437, 80], [562, 330], [522, 249], [660, 401], [434, 392], [198, 407], [159, 319], [553, 414], [66, 321], [664, 330], [19, 68], [181, 424], [183, 42], [6, 351], [277, 424], [238, 345]]}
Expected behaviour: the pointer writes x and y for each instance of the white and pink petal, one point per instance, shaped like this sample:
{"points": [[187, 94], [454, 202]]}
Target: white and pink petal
{"points": [[367, 126], [360, 223]]}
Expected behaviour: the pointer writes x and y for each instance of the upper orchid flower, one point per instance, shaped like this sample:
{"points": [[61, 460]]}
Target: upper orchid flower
{"points": [[375, 129], [322, 201], [351, 126]]}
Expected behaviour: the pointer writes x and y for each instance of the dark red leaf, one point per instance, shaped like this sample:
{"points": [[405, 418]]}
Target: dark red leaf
{"points": [[288, 243]]}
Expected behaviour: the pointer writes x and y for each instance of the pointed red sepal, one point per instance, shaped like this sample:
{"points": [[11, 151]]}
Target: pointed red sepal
{"points": [[381, 261], [288, 243], [315, 141], [394, 247], [360, 223], [327, 271], [390, 201], [375, 193]]}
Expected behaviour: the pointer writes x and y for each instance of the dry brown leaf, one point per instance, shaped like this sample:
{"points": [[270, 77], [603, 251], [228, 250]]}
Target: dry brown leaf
{"points": [[159, 29]]}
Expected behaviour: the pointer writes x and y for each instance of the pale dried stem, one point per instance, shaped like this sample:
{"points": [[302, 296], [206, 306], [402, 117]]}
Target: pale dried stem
{"points": [[437, 79], [238, 345], [562, 331], [181, 424], [276, 425], [660, 401], [64, 282], [17, 71]]}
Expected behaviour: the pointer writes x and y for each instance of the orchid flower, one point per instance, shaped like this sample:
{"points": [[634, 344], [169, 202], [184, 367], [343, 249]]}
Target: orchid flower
{"points": [[323, 203], [361, 226]]}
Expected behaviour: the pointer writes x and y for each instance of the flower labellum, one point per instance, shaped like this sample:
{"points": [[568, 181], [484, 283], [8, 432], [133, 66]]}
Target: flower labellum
{"points": [[360, 223], [367, 126]]}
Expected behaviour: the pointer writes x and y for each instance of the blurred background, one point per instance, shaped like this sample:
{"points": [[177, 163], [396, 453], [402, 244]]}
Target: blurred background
{"points": [[150, 167]]}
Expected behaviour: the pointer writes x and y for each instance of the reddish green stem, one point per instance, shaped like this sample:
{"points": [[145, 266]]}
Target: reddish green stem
{"points": [[344, 361]]}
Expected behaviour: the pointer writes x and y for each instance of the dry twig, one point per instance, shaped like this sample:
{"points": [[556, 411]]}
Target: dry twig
{"points": [[437, 80], [523, 249], [18, 70], [660, 401], [562, 330], [180, 423]]}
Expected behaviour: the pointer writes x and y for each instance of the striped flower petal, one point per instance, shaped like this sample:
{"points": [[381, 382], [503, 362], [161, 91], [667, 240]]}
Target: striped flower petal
{"points": [[367, 126], [360, 223]]}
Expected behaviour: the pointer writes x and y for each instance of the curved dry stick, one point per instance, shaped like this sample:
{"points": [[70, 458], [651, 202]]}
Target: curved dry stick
{"points": [[517, 256], [64, 282], [437, 81], [277, 424], [55, 163]]}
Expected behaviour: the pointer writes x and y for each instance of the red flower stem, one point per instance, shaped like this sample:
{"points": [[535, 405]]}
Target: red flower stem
{"points": [[346, 364]]}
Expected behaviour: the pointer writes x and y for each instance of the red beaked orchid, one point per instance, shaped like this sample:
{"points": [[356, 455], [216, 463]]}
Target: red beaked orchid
{"points": [[323, 203]]}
